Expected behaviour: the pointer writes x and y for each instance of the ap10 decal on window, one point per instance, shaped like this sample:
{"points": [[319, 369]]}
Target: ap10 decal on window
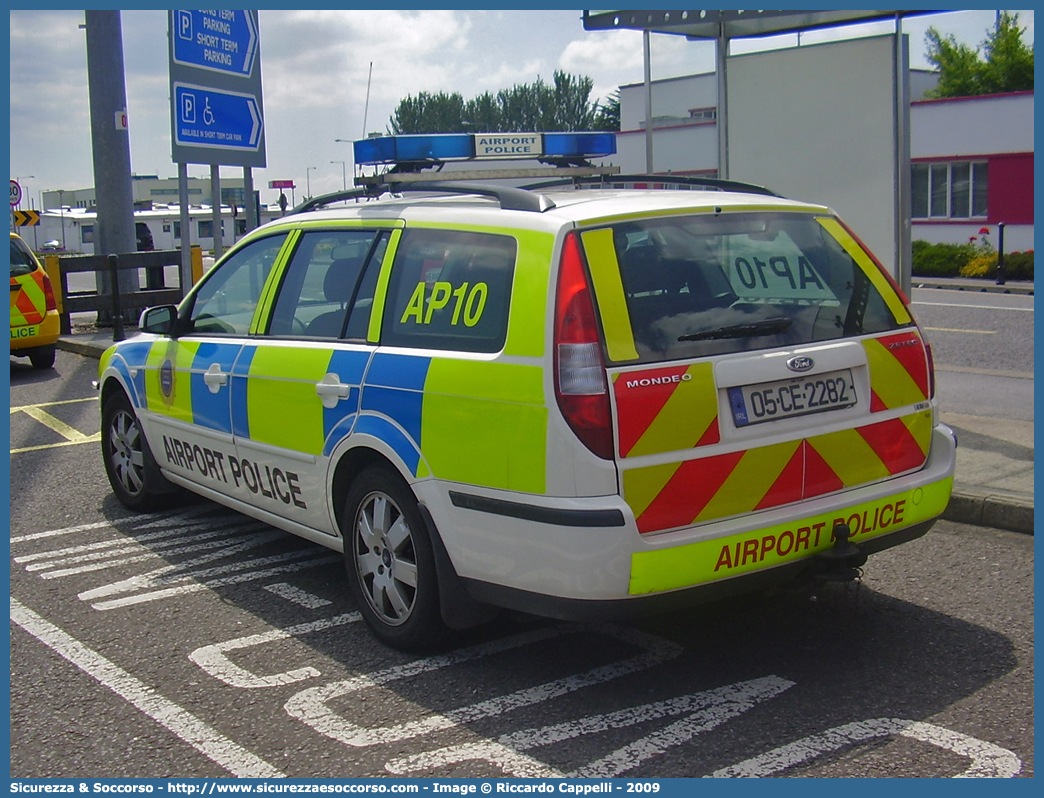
{"points": [[450, 290], [779, 272], [778, 277], [468, 302]]}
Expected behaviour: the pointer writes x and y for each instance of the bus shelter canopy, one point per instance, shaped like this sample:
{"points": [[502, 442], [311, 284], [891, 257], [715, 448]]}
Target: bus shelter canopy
{"points": [[732, 23]]}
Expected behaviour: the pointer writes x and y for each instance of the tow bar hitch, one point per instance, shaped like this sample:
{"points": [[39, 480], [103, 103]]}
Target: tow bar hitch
{"points": [[843, 561]]}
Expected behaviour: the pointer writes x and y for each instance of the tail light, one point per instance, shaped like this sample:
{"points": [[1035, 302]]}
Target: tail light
{"points": [[49, 294], [580, 385], [931, 368]]}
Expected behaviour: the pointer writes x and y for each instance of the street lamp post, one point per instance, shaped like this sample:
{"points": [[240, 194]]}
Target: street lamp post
{"points": [[308, 180], [61, 211], [344, 174]]}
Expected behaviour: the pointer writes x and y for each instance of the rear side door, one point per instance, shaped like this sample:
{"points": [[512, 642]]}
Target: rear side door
{"points": [[456, 387], [757, 359]]}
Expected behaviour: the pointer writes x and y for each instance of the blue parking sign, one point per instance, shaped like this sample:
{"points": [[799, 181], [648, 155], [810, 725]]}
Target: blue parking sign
{"points": [[223, 40]]}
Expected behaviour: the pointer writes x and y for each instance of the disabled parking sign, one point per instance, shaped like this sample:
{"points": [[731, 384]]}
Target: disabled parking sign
{"points": [[216, 119]]}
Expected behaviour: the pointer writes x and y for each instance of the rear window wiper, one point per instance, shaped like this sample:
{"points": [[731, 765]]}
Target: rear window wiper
{"points": [[756, 328]]}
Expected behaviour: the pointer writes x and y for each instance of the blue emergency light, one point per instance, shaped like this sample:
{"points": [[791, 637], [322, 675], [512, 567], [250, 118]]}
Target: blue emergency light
{"points": [[583, 145], [482, 146]]}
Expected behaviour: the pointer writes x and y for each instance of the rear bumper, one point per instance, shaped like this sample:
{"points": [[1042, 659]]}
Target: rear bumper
{"points": [[34, 336], [639, 606], [515, 558]]}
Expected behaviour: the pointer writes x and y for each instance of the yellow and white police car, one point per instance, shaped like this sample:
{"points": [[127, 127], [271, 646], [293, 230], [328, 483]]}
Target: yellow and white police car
{"points": [[34, 314], [579, 401]]}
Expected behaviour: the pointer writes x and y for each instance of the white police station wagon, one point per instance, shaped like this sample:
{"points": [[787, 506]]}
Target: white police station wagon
{"points": [[575, 400]]}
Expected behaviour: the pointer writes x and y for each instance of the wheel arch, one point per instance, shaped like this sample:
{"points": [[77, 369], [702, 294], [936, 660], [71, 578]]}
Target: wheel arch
{"points": [[111, 383], [458, 609], [349, 465], [116, 375], [158, 491]]}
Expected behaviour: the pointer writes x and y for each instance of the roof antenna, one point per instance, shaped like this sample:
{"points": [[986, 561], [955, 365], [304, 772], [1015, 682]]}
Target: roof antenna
{"points": [[366, 108]]}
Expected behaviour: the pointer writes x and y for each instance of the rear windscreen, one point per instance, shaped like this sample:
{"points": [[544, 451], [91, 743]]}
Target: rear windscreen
{"points": [[706, 285], [21, 261]]}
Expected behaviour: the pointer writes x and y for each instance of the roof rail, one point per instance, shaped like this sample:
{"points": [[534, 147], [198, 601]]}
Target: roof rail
{"points": [[328, 199], [680, 180], [510, 199]]}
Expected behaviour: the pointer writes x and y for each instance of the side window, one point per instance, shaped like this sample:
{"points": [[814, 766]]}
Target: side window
{"points": [[321, 285], [225, 303], [450, 289]]}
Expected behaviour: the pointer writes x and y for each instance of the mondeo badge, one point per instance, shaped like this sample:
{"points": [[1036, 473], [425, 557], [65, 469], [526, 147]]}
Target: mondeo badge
{"points": [[800, 364]]}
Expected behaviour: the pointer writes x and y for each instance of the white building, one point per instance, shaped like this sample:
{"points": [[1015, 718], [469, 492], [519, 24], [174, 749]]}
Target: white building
{"points": [[149, 190], [972, 162], [73, 228], [971, 157]]}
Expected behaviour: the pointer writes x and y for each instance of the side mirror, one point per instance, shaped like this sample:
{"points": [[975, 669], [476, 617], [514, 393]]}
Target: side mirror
{"points": [[159, 320]]}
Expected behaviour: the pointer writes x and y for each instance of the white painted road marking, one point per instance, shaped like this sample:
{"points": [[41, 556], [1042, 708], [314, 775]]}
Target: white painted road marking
{"points": [[221, 537], [510, 753], [183, 724], [297, 596], [69, 530], [213, 661], [704, 711], [959, 330], [988, 760], [311, 706], [977, 307]]}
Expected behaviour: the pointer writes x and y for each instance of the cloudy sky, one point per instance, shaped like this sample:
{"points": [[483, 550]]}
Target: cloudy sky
{"points": [[314, 71]]}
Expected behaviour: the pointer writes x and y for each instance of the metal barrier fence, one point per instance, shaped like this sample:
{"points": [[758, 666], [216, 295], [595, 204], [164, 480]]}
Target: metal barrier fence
{"points": [[59, 267]]}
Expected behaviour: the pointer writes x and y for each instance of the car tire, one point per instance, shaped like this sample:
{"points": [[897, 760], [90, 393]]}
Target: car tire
{"points": [[390, 562], [43, 357], [132, 470]]}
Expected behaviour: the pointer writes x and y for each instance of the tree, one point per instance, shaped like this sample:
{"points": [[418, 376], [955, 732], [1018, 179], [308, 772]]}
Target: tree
{"points": [[608, 117], [565, 104], [1006, 64], [1009, 62], [427, 113]]}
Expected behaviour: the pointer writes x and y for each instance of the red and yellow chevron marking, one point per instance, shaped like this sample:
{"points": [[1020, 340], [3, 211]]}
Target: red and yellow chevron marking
{"points": [[704, 489], [666, 409], [898, 370], [721, 558], [29, 305]]}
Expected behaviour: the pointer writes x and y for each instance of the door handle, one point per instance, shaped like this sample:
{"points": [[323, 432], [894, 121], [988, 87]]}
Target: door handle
{"points": [[215, 378], [331, 390]]}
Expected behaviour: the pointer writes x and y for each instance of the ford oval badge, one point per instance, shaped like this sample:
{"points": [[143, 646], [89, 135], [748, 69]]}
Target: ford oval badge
{"points": [[800, 364]]}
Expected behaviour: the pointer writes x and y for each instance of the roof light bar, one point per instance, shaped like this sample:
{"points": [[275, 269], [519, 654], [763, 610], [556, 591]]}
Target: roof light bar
{"points": [[482, 146]]}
